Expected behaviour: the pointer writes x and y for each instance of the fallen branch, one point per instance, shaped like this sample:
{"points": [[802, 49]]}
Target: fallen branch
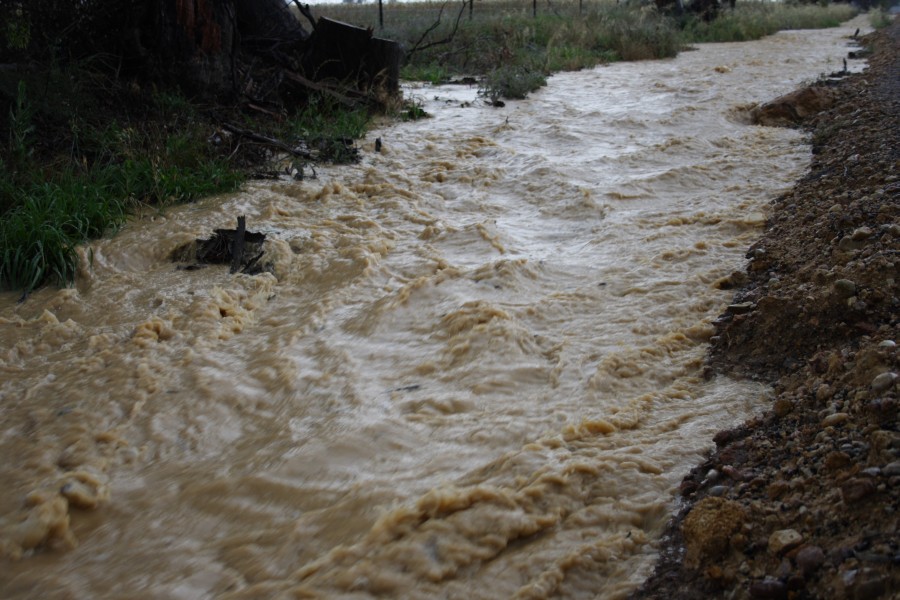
{"points": [[344, 98], [259, 138]]}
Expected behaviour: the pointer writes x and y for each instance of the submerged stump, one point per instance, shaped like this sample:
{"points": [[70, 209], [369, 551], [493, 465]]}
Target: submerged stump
{"points": [[239, 248]]}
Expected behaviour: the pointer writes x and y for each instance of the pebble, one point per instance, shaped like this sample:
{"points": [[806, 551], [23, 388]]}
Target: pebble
{"points": [[888, 344], [810, 558], [768, 588], [783, 540], [864, 584], [783, 407], [718, 490], [835, 419], [80, 495], [824, 392], [845, 287], [847, 244], [861, 233], [883, 381], [740, 308], [854, 490], [892, 469]]}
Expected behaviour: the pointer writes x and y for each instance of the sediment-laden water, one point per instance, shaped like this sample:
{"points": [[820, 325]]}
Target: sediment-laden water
{"points": [[474, 372]]}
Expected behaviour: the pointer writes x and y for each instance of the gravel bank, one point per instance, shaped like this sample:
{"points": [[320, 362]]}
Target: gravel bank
{"points": [[802, 502]]}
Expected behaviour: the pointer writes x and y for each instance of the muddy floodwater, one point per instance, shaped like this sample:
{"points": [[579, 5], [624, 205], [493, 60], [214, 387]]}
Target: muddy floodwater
{"points": [[474, 370]]}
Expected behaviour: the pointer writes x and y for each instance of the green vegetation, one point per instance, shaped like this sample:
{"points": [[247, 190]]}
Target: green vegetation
{"points": [[754, 20], [327, 126], [514, 50], [879, 18]]}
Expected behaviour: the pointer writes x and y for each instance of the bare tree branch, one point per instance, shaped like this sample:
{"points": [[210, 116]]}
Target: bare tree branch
{"points": [[306, 12], [434, 26]]}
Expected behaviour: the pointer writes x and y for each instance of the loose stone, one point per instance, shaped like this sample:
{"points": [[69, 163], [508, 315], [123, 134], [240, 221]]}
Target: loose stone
{"points": [[845, 287], [783, 540], [854, 490], [861, 233], [835, 419], [810, 558], [883, 381], [718, 490], [892, 469], [768, 588], [740, 308]]}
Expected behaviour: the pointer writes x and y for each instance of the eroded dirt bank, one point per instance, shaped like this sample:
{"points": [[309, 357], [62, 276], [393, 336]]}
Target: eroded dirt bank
{"points": [[802, 501]]}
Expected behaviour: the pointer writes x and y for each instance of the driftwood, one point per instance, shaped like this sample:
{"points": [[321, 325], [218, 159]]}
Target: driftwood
{"points": [[267, 141]]}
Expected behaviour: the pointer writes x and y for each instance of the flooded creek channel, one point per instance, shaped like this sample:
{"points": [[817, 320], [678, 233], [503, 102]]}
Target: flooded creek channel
{"points": [[475, 370]]}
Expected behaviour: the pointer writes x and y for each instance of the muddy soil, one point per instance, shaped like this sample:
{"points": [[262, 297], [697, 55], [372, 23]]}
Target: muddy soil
{"points": [[802, 502]]}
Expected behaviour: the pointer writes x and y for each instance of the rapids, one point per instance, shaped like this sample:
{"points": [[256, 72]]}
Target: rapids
{"points": [[474, 371]]}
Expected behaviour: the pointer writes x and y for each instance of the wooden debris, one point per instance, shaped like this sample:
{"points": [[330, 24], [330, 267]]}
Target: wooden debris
{"points": [[239, 248]]}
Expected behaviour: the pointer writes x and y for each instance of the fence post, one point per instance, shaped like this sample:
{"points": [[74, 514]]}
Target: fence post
{"points": [[381, 14]]}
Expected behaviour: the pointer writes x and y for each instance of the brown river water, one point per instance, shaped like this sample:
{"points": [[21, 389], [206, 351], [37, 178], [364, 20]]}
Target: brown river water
{"points": [[474, 372]]}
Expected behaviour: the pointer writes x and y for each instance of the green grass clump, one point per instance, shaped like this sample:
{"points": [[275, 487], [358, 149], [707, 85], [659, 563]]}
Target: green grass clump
{"points": [[329, 128], [38, 237], [879, 18], [513, 83]]}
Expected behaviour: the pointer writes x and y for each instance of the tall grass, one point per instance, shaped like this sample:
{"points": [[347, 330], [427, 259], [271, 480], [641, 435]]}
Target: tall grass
{"points": [[49, 219], [879, 18], [754, 20]]}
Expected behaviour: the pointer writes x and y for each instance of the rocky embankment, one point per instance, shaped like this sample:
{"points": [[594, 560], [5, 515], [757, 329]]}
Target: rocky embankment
{"points": [[803, 501]]}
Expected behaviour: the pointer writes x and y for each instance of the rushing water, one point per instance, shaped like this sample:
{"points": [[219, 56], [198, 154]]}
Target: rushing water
{"points": [[475, 371]]}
